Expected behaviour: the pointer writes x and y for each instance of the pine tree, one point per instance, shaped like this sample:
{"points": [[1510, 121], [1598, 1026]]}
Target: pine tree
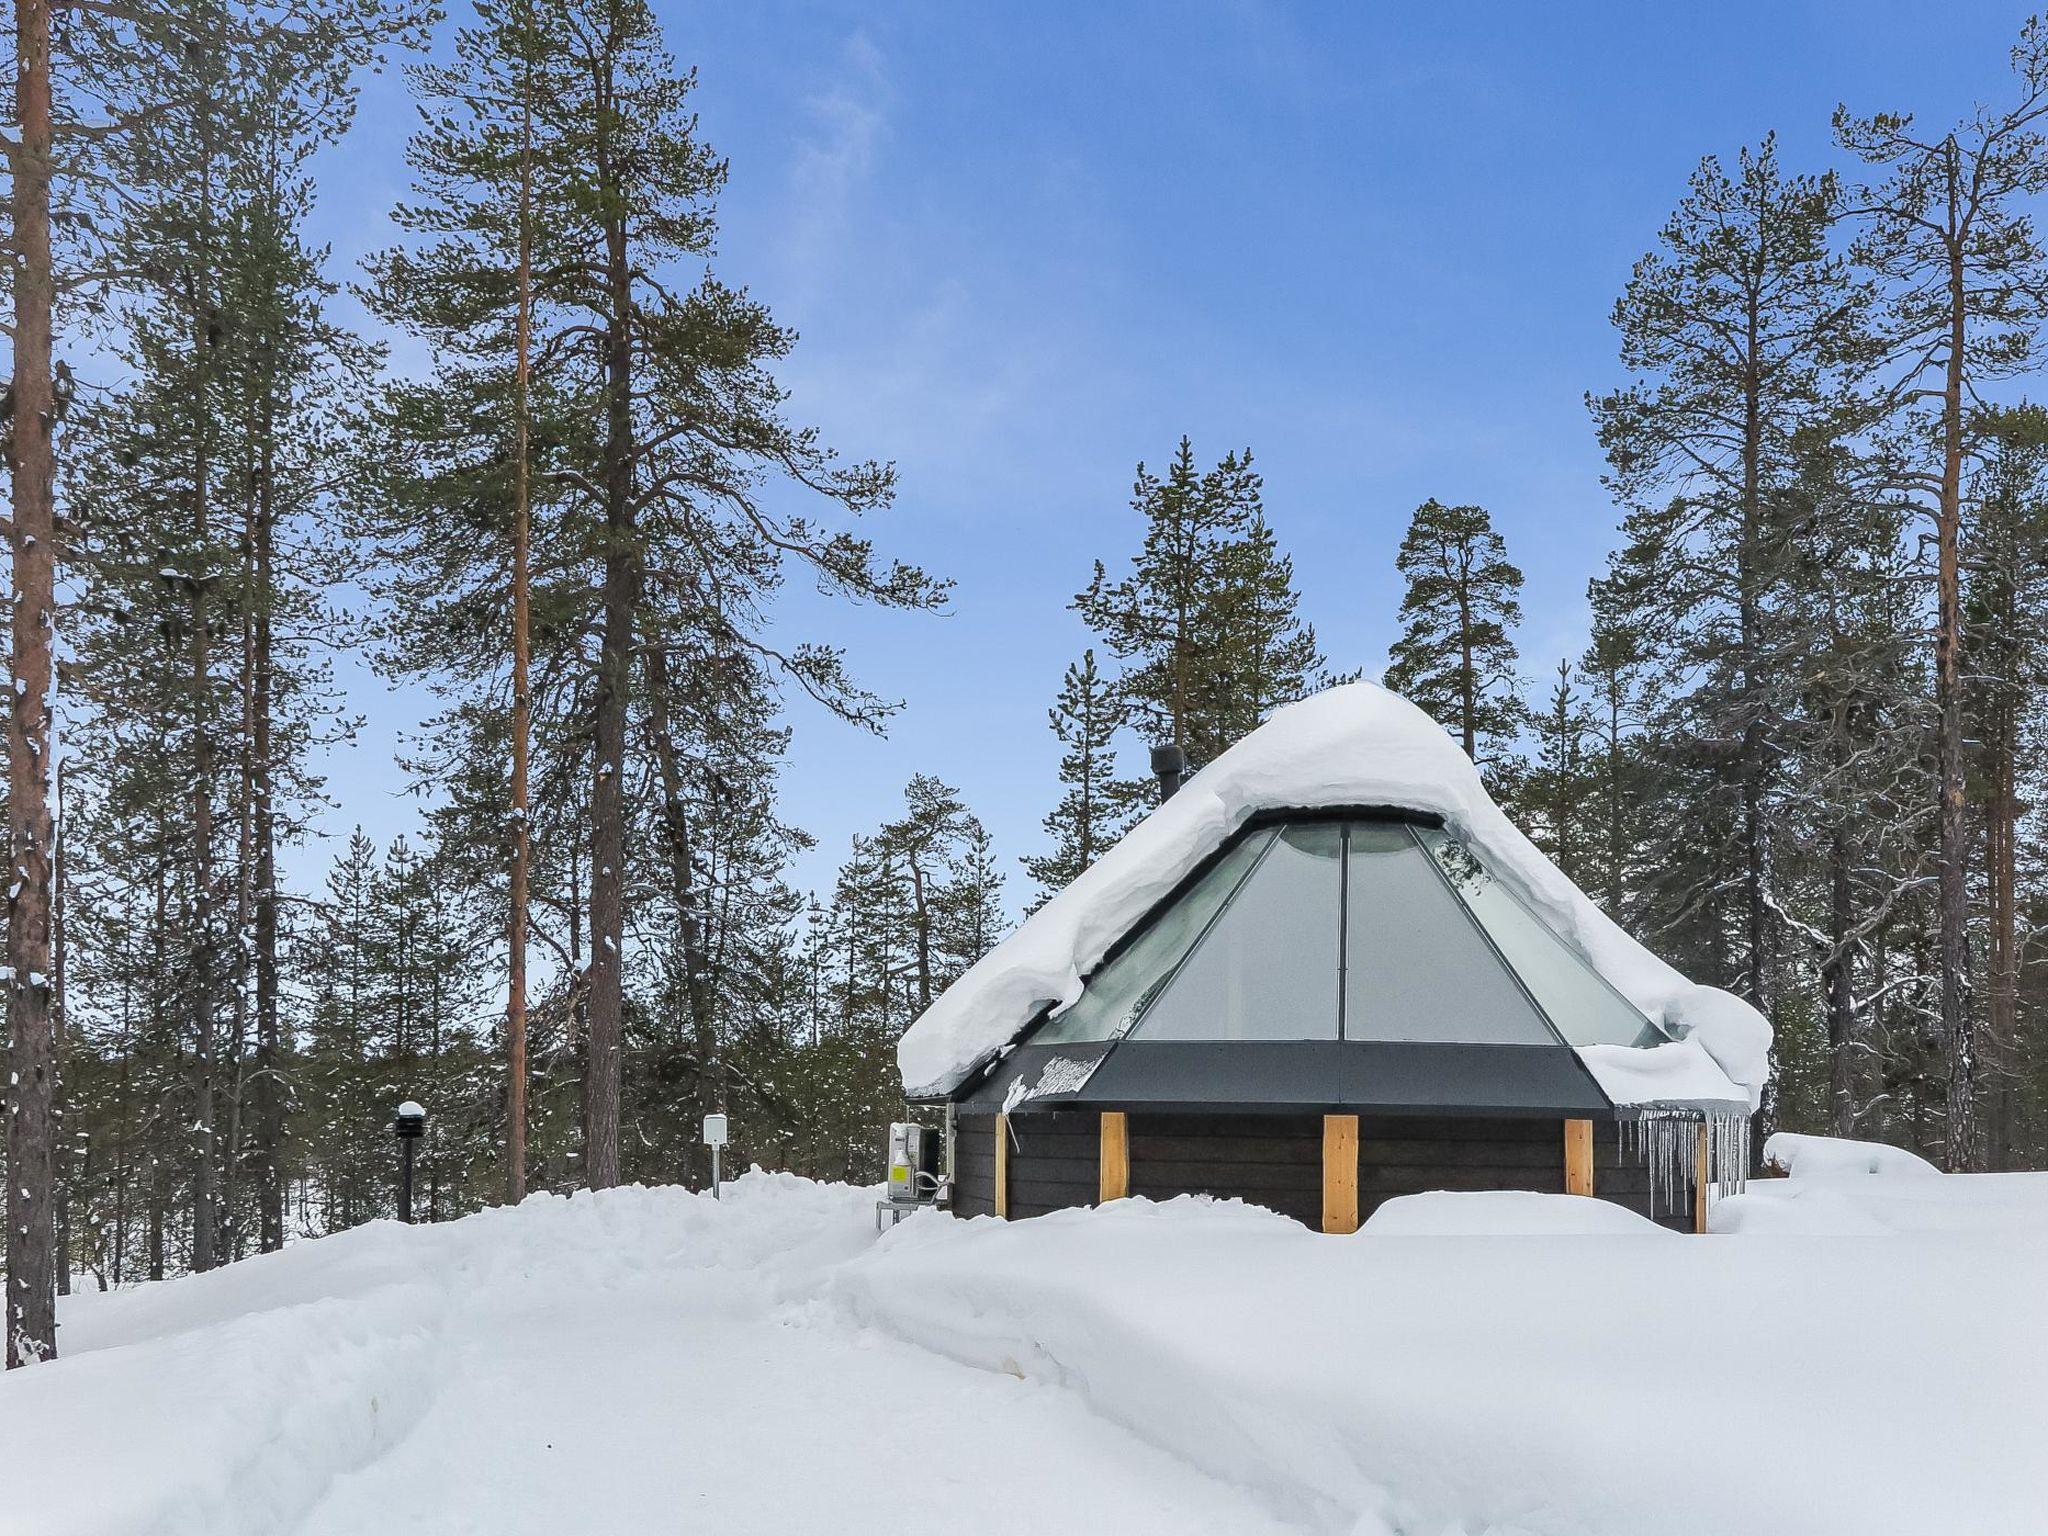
{"points": [[1732, 327], [1614, 671], [1267, 657], [1456, 654], [656, 425], [1094, 804], [2005, 609], [1966, 291], [139, 127], [1850, 750], [340, 1120], [1559, 783], [1204, 623]]}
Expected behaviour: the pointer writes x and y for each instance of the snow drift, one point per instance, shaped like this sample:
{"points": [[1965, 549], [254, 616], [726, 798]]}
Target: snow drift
{"points": [[1353, 746], [1479, 1375], [1467, 1365]]}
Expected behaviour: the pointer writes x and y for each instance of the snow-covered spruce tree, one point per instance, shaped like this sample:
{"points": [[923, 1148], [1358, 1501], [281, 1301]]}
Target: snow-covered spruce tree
{"points": [[1731, 328], [1095, 805], [657, 428], [1947, 233], [1456, 654], [1204, 623]]}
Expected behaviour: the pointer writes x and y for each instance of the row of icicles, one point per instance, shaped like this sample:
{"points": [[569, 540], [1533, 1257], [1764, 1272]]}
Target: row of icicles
{"points": [[1668, 1140]]}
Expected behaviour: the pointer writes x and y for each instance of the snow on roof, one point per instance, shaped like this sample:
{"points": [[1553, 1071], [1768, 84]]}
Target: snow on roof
{"points": [[1355, 745]]}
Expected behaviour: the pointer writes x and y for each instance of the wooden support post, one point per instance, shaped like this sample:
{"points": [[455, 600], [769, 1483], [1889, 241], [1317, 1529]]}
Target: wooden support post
{"points": [[1578, 1157], [1116, 1157], [1003, 1167], [1340, 1173], [1699, 1180]]}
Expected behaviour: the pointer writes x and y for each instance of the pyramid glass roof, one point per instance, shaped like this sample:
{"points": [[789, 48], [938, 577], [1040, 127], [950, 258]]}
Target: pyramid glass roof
{"points": [[1370, 929]]}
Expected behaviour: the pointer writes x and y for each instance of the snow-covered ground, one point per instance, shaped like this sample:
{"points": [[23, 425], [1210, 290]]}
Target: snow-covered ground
{"points": [[1857, 1354]]}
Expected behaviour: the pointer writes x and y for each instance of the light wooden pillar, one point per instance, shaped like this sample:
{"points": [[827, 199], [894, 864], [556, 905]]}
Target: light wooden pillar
{"points": [[1699, 1179], [1578, 1157], [1116, 1157], [1340, 1173], [1003, 1166]]}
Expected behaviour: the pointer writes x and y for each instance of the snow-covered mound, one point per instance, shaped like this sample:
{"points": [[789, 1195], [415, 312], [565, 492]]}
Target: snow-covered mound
{"points": [[1799, 1382], [1506, 1213], [651, 1360], [1789, 1152], [1355, 745]]}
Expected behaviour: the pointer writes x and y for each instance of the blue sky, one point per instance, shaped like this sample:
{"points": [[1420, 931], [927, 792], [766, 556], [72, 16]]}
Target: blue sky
{"points": [[1028, 245]]}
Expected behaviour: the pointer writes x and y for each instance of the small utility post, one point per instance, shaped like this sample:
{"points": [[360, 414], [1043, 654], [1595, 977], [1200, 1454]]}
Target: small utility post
{"points": [[714, 1138], [408, 1126]]}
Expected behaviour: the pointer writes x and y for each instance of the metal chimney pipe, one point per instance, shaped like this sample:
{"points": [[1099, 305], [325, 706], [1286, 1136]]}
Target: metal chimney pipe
{"points": [[1170, 767]]}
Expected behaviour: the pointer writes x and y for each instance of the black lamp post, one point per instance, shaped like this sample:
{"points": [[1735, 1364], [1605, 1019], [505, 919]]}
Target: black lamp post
{"points": [[409, 1125]]}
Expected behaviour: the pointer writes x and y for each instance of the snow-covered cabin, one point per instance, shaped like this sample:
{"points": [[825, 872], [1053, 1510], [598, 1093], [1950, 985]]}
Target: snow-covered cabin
{"points": [[1325, 972]]}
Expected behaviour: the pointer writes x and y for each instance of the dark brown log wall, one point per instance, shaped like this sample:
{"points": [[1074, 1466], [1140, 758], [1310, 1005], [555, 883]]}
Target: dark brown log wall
{"points": [[974, 1165], [1412, 1154], [1055, 1161], [1276, 1161]]}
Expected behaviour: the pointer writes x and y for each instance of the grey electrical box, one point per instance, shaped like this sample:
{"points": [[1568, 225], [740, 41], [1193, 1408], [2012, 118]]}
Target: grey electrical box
{"points": [[915, 1176]]}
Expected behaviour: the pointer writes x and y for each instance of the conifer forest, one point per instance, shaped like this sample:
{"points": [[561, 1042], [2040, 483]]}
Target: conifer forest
{"points": [[562, 488]]}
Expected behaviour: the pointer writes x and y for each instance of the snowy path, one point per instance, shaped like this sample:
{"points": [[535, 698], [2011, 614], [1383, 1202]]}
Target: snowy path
{"points": [[643, 1363], [690, 1407]]}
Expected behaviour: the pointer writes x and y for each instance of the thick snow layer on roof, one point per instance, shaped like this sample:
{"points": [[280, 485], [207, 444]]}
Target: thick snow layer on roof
{"points": [[1357, 745]]}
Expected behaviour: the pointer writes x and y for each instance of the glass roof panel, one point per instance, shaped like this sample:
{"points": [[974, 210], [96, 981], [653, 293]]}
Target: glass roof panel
{"points": [[1266, 969], [1582, 1005], [1416, 965], [1120, 991]]}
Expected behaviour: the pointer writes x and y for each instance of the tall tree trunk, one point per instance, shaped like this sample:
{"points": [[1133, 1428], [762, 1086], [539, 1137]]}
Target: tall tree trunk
{"points": [[205, 1050], [205, 1173], [2001, 979], [61, 1151], [620, 599], [1957, 1026], [268, 1093], [1755, 852], [156, 1222], [237, 947], [1468, 679], [1615, 871], [31, 1303], [522, 694], [921, 925], [1838, 978], [675, 820]]}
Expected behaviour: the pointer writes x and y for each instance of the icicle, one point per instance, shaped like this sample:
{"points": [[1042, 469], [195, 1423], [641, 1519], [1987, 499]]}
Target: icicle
{"points": [[1666, 1139]]}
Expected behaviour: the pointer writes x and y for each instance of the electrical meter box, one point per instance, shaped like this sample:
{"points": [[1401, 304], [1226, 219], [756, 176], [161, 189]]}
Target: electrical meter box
{"points": [[914, 1176]]}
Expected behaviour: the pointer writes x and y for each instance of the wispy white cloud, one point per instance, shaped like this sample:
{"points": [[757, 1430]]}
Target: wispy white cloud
{"points": [[833, 163]]}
